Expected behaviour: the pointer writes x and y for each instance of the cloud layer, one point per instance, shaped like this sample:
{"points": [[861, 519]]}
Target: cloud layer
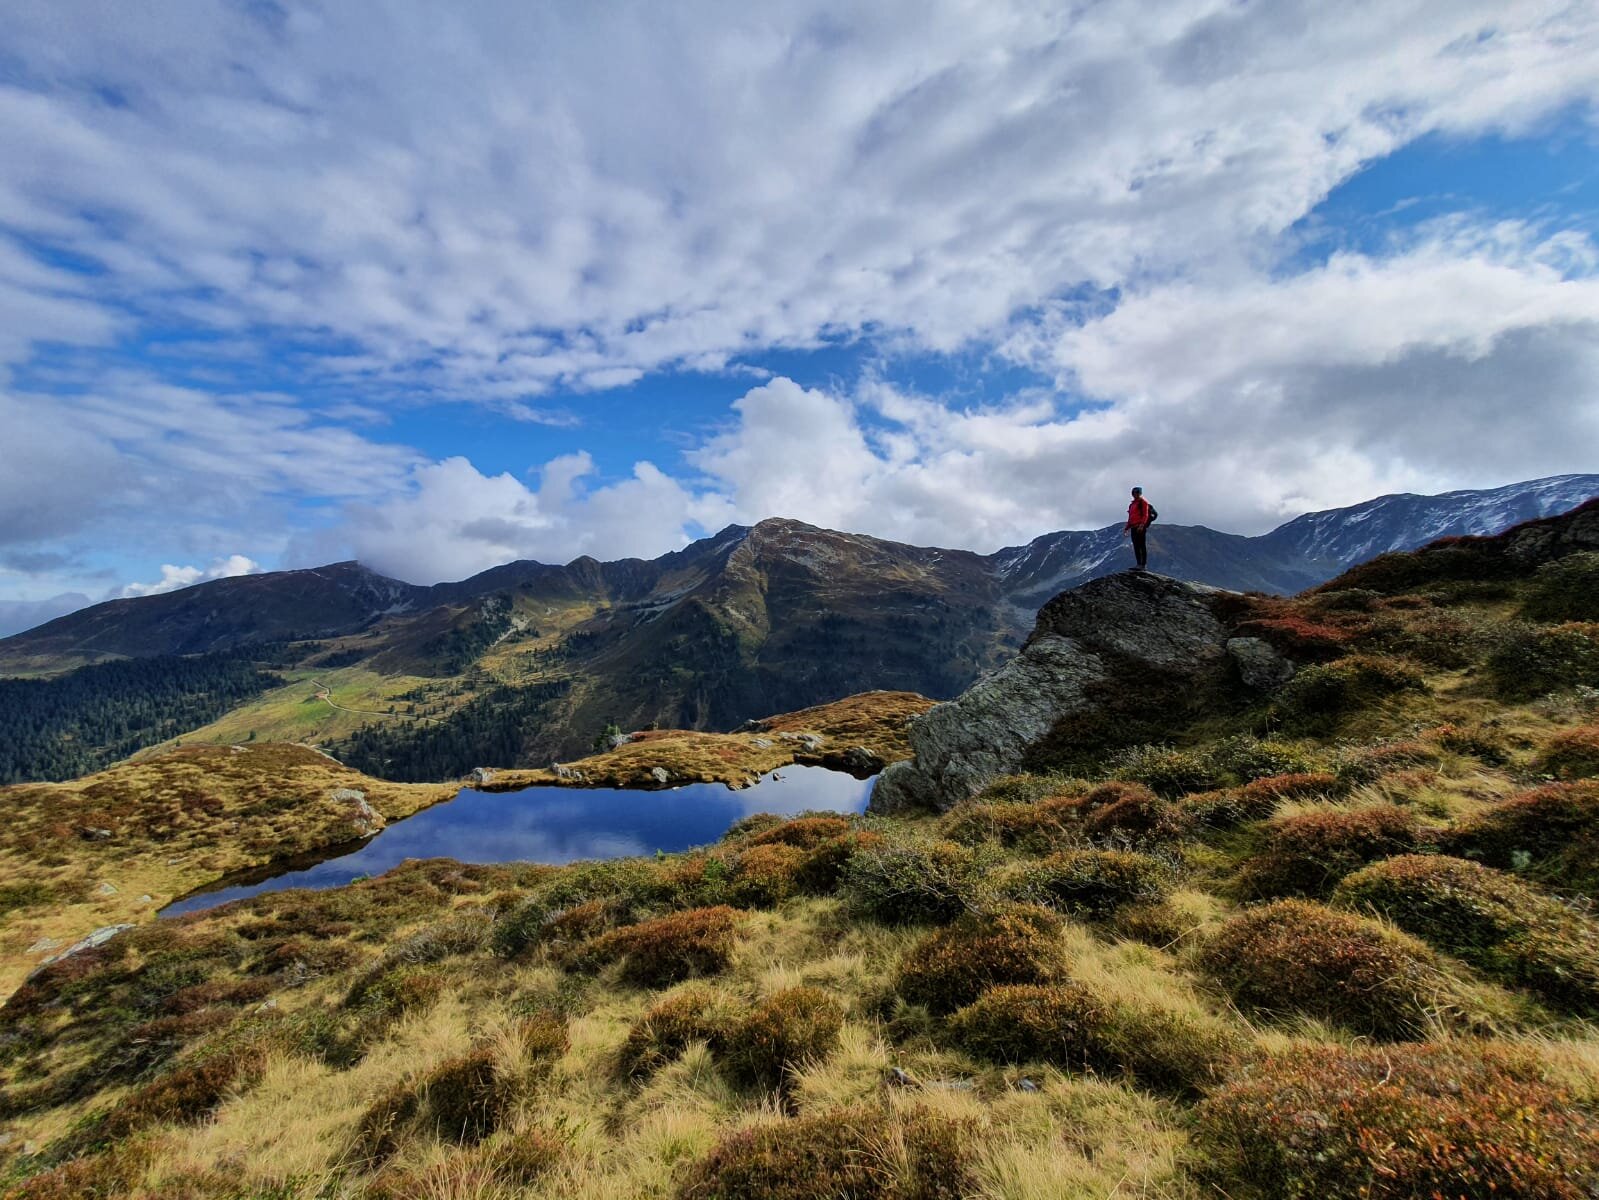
{"points": [[512, 205]]}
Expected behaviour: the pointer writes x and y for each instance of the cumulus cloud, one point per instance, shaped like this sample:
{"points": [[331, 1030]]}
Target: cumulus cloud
{"points": [[624, 188], [175, 577]]}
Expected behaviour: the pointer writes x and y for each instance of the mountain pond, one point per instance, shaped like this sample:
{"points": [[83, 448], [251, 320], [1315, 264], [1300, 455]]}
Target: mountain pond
{"points": [[548, 825]]}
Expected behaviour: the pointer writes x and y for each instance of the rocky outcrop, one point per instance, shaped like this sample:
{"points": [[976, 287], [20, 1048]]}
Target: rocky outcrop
{"points": [[1259, 665], [1084, 642]]}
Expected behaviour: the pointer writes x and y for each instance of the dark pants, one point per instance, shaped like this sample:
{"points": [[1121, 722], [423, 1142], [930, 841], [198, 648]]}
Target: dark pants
{"points": [[1138, 546]]}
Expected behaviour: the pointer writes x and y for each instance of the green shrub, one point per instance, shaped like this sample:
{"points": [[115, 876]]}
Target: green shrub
{"points": [[1037, 826], [1318, 697], [633, 888], [1550, 833], [695, 1013], [114, 1172], [1091, 883], [785, 1031], [825, 863], [1573, 754], [1245, 757], [668, 949], [1024, 789], [525, 1157], [1308, 853], [1296, 956], [908, 882], [1168, 771], [1566, 589], [1531, 661], [1068, 1025], [468, 1096], [1395, 1123], [859, 1153], [952, 966], [1016, 1023], [1491, 920]]}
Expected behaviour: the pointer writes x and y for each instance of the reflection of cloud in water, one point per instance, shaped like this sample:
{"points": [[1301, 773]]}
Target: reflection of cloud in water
{"points": [[558, 825]]}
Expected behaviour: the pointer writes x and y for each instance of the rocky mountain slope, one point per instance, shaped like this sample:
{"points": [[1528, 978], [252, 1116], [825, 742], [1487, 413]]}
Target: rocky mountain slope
{"points": [[754, 620]]}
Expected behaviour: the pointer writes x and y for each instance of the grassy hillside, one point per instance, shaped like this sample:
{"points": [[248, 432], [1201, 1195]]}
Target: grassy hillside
{"points": [[1337, 944]]}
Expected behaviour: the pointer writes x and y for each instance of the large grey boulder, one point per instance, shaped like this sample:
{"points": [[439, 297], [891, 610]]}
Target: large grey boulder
{"points": [[1085, 641]]}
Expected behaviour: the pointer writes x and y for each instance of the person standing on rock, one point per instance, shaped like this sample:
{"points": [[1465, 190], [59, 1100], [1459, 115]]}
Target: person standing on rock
{"points": [[1139, 514]]}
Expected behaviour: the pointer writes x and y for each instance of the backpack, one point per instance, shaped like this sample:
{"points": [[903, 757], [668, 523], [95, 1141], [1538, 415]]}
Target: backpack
{"points": [[1152, 513]]}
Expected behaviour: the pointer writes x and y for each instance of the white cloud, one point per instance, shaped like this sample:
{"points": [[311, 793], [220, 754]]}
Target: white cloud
{"points": [[500, 198], [174, 577]]}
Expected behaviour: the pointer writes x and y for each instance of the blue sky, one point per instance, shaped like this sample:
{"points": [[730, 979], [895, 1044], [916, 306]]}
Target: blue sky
{"points": [[293, 282]]}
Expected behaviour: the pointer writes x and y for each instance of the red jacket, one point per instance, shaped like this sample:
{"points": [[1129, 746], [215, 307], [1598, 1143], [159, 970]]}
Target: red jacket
{"points": [[1138, 513]]}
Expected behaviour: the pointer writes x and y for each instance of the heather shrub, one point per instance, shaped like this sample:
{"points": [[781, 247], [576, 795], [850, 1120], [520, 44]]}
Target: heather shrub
{"points": [[786, 1030], [466, 1097], [695, 1013], [1573, 754], [1018, 1023], [1367, 764], [1566, 589], [823, 869], [1433, 636], [1301, 638], [1259, 798], [380, 1129], [1530, 661], [863, 1153], [766, 875], [113, 1172], [1450, 1120], [633, 887], [1482, 742], [1550, 833], [1068, 1025], [806, 833], [189, 1093], [1491, 920], [1245, 757], [1297, 956], [463, 933], [525, 1157], [952, 966], [1308, 853], [1168, 771], [1023, 789], [1318, 697], [1037, 826], [668, 949], [1090, 883], [908, 882]]}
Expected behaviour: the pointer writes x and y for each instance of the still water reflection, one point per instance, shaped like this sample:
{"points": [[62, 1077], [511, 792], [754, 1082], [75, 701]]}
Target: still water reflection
{"points": [[553, 825]]}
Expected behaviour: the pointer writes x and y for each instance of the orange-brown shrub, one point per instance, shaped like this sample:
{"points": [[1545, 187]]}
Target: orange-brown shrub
{"points": [[1136, 817], [113, 1172], [952, 966], [1393, 1123], [668, 949], [804, 832], [863, 1153], [1037, 825], [696, 1013], [216, 991], [1308, 853], [1573, 754], [766, 875], [1259, 798], [1489, 919], [1298, 637], [1091, 883], [1551, 833], [189, 1093], [1298, 956], [786, 1030]]}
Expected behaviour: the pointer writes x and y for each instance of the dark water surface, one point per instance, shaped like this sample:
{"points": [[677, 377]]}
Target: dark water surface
{"points": [[551, 825]]}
